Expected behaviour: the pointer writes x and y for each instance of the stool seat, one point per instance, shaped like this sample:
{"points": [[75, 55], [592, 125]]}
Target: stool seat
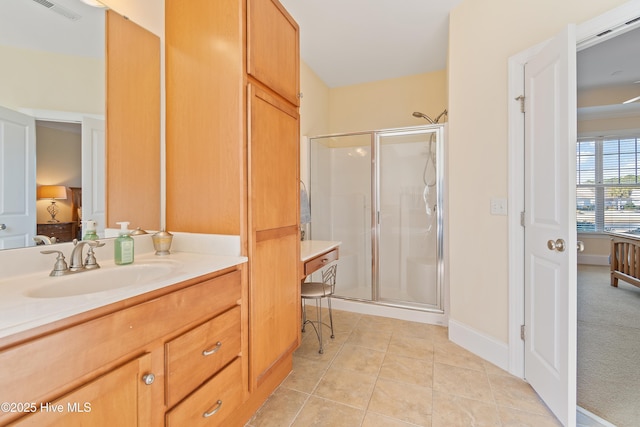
{"points": [[315, 290]]}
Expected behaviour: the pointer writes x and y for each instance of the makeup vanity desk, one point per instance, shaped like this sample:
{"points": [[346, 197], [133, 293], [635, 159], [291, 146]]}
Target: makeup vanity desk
{"points": [[315, 254]]}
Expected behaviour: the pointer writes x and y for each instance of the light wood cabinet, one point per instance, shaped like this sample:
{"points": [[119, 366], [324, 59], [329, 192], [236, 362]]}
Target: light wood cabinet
{"points": [[232, 70], [273, 48], [274, 242], [105, 360], [211, 404], [114, 399], [200, 353]]}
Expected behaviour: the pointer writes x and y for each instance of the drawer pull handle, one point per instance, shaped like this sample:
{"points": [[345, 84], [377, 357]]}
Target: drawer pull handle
{"points": [[325, 260], [214, 410], [213, 350]]}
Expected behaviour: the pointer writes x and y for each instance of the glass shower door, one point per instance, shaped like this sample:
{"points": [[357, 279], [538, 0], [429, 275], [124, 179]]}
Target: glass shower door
{"points": [[340, 190], [408, 228]]}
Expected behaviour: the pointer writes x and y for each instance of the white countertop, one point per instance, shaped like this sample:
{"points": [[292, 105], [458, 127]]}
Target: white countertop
{"points": [[20, 312], [312, 248]]}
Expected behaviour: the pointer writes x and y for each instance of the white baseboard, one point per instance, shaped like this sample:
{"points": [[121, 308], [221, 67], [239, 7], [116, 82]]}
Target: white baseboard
{"points": [[593, 259], [480, 344], [389, 311]]}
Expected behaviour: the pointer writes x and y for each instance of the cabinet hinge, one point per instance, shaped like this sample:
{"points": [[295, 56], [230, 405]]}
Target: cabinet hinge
{"points": [[522, 218], [521, 99], [522, 332]]}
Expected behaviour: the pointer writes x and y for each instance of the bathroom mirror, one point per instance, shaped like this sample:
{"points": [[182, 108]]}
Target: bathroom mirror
{"points": [[54, 69]]}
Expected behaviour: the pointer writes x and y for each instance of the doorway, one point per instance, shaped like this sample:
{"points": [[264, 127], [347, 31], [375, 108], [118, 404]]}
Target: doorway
{"points": [[586, 33]]}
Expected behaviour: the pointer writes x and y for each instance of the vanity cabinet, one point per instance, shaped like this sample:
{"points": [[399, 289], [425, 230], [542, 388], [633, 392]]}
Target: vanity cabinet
{"points": [[232, 70], [143, 362]]}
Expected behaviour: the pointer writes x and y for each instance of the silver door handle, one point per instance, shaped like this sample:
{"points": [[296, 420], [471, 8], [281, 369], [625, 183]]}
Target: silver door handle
{"points": [[558, 245], [3, 226], [580, 246]]}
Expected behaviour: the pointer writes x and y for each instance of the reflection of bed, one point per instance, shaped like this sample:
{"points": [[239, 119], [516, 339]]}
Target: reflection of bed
{"points": [[625, 258]]}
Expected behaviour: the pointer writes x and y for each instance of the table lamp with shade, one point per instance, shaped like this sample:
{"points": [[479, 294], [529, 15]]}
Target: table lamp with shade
{"points": [[53, 192]]}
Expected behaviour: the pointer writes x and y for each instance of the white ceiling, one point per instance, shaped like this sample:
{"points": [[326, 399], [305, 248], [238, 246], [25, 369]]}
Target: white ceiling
{"points": [[613, 62], [347, 42], [30, 25]]}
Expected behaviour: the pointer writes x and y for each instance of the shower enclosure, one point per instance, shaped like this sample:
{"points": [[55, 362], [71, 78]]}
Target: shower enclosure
{"points": [[380, 194]]}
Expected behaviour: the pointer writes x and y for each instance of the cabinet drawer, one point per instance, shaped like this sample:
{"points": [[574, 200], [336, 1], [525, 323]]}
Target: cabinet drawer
{"points": [[212, 403], [198, 354], [319, 262]]}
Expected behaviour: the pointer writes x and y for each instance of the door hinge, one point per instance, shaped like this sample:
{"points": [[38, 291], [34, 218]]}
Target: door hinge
{"points": [[522, 218], [522, 332], [521, 99]]}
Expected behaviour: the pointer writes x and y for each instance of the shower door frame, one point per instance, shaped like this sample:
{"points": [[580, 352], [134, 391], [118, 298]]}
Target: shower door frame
{"points": [[375, 135]]}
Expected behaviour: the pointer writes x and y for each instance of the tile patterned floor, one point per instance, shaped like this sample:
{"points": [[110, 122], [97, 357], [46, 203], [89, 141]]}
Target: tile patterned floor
{"points": [[387, 372]]}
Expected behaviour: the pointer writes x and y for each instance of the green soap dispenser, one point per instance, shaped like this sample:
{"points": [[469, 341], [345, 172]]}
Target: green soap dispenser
{"points": [[90, 233], [123, 245]]}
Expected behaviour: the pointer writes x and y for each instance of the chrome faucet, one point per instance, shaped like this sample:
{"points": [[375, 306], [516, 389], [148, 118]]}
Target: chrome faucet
{"points": [[40, 239], [60, 268]]}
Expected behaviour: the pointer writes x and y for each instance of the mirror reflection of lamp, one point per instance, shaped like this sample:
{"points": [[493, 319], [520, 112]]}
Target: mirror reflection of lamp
{"points": [[53, 192]]}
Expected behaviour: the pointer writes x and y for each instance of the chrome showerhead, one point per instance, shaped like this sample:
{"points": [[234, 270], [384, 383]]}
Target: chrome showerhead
{"points": [[429, 119], [424, 116]]}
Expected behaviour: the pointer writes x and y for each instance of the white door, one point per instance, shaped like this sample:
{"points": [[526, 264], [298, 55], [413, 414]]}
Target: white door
{"points": [[17, 179], [550, 226], [93, 173]]}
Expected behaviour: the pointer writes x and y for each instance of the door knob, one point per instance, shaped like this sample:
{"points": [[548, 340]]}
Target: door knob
{"points": [[558, 245], [3, 226], [580, 246]]}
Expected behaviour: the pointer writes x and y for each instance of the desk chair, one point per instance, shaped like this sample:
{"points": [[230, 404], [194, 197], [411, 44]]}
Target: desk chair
{"points": [[318, 291]]}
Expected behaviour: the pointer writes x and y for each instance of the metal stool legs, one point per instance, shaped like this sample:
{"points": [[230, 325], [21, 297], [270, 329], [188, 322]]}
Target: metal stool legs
{"points": [[318, 291], [318, 322]]}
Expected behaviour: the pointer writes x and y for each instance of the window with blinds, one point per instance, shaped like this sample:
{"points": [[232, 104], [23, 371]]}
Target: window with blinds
{"points": [[608, 188]]}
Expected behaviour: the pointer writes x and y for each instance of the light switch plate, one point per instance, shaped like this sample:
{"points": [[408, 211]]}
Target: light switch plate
{"points": [[498, 206]]}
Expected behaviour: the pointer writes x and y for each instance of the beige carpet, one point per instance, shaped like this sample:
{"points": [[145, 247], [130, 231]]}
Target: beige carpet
{"points": [[608, 347]]}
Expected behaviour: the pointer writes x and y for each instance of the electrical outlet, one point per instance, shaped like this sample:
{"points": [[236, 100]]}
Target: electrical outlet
{"points": [[498, 206]]}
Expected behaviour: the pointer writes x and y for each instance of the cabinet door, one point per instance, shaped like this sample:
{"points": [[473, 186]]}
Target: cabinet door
{"points": [[118, 398], [275, 300], [274, 222], [273, 47], [205, 101], [274, 158]]}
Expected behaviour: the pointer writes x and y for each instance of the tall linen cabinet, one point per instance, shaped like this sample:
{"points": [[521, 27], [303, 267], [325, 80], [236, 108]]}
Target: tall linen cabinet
{"points": [[232, 150]]}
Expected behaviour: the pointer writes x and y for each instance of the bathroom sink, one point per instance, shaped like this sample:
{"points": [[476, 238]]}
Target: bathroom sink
{"points": [[101, 280]]}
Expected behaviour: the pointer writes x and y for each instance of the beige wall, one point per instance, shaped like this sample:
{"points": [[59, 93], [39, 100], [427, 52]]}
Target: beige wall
{"points": [[50, 81], [387, 103], [369, 106], [480, 44], [59, 163], [314, 114]]}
